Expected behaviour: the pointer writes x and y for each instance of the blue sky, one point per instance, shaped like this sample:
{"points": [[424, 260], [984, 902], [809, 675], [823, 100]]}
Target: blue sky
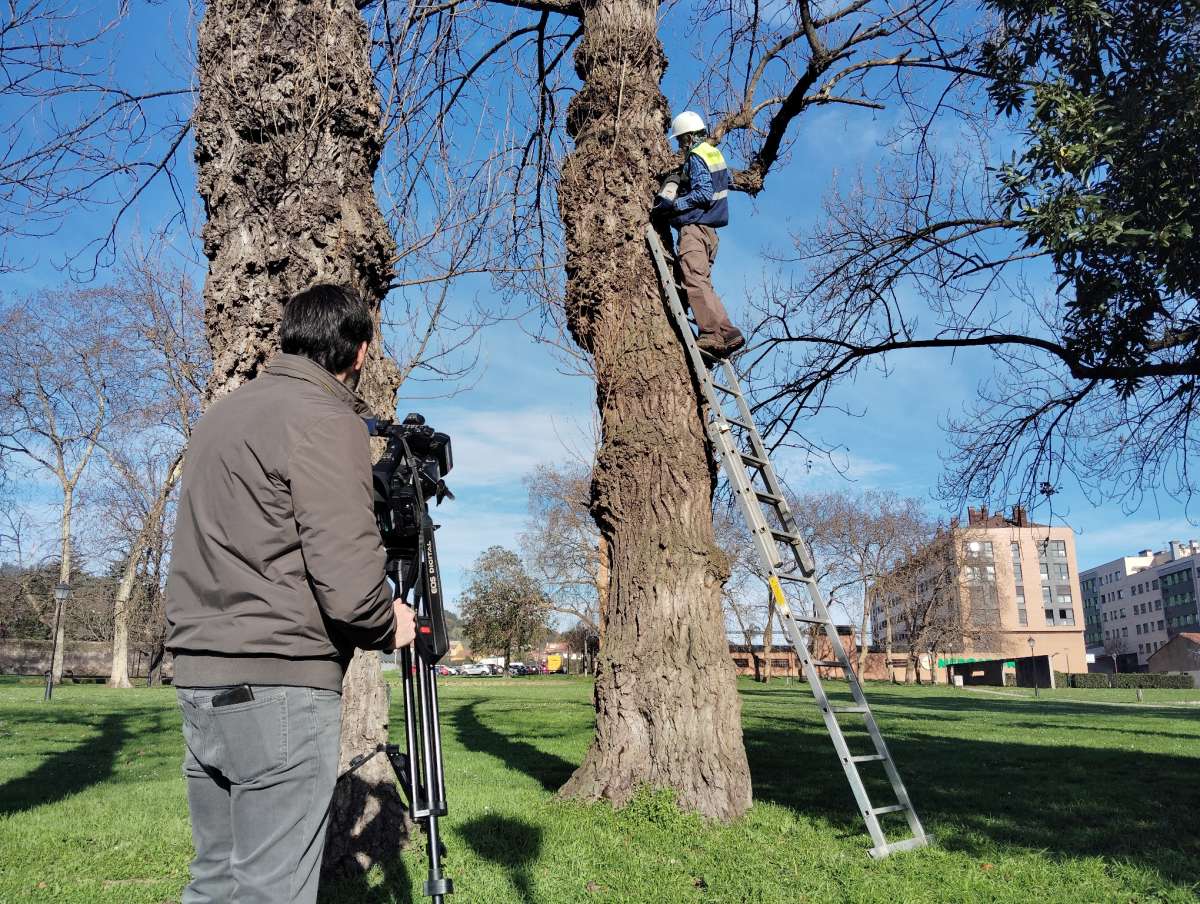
{"points": [[523, 410]]}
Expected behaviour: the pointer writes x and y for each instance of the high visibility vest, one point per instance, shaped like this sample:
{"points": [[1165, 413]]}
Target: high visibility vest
{"points": [[717, 214]]}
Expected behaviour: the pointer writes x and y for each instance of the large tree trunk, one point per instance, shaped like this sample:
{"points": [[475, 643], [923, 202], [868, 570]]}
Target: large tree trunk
{"points": [[667, 709], [288, 138]]}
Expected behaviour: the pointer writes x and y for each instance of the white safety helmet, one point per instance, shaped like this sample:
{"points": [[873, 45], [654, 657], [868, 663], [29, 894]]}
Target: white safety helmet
{"points": [[686, 123]]}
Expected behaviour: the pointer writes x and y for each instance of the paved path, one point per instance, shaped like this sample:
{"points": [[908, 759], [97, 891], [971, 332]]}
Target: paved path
{"points": [[1183, 704]]}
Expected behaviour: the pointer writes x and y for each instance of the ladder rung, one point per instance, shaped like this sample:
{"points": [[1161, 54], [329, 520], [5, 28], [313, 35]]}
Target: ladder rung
{"points": [[724, 389], [828, 663], [868, 758], [753, 460], [895, 847], [769, 498], [784, 537], [795, 578], [848, 709], [890, 808], [737, 422], [807, 620]]}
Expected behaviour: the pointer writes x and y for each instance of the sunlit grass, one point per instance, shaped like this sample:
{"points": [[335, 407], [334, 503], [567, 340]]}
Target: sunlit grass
{"points": [[1045, 800]]}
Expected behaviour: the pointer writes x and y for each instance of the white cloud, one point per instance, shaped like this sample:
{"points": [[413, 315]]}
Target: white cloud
{"points": [[1114, 537], [498, 448]]}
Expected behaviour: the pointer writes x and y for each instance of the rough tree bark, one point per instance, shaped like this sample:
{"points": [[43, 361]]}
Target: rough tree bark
{"points": [[288, 138], [668, 713]]}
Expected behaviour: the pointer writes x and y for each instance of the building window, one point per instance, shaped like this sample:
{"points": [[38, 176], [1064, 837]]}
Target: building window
{"points": [[1016, 551], [1066, 616], [1060, 571], [978, 549], [1017, 574], [1154, 584], [779, 663], [1137, 629], [1049, 616], [1160, 624], [1058, 549], [1157, 604], [1046, 597], [1124, 632], [1045, 571], [981, 574]]}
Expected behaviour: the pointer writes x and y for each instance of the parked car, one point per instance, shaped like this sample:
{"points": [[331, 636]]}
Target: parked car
{"points": [[445, 670], [517, 669], [477, 669]]}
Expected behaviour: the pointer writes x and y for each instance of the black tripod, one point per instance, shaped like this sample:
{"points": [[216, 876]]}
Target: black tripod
{"points": [[419, 767], [408, 474]]}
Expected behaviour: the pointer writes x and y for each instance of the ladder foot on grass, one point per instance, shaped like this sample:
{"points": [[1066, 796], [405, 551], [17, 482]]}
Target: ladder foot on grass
{"points": [[742, 466]]}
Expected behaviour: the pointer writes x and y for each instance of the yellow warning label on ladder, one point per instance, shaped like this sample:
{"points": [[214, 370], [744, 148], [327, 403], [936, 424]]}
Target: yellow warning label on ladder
{"points": [[780, 600]]}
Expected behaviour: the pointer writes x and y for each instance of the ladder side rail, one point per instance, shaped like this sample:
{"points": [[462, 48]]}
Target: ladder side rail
{"points": [[768, 552], [834, 729], [893, 775], [856, 691]]}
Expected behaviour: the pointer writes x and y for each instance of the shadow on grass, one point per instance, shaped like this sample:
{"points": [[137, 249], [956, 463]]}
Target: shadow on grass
{"points": [[512, 844], [975, 794], [550, 770], [396, 887], [348, 846], [64, 772]]}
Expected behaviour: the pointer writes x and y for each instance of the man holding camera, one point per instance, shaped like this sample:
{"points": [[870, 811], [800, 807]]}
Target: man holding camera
{"points": [[277, 575]]}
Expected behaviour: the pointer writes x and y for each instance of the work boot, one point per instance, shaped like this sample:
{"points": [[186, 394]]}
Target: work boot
{"points": [[733, 343], [711, 344]]}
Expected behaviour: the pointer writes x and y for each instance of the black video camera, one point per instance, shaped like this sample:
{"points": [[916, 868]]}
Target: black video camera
{"points": [[413, 465], [410, 472]]}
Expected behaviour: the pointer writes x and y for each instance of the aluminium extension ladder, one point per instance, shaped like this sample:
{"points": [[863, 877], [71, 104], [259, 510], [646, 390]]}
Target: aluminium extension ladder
{"points": [[797, 568]]}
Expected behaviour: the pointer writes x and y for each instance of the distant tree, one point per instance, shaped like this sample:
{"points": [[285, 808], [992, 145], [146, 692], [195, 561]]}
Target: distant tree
{"points": [[939, 597], [1115, 647], [164, 346], [561, 542], [859, 538], [63, 383], [503, 609]]}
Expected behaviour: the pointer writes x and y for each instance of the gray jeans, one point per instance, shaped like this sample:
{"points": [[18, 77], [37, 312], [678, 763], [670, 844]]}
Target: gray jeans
{"points": [[260, 776]]}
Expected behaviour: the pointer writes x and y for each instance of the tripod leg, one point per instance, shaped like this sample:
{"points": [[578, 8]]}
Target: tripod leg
{"points": [[436, 885], [411, 717]]}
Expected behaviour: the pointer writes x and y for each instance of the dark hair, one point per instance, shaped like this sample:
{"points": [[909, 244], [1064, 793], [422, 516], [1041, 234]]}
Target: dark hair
{"points": [[326, 323]]}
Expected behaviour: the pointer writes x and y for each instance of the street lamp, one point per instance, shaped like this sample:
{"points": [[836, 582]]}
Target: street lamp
{"points": [[1033, 663], [61, 592]]}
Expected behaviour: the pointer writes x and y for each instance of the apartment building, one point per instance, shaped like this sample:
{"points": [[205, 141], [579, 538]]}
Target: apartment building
{"points": [[1013, 581], [1135, 604]]}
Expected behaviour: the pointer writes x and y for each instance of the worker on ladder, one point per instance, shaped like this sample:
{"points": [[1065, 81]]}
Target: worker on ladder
{"points": [[696, 202]]}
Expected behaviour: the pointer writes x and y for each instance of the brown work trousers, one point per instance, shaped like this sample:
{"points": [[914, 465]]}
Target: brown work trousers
{"points": [[696, 251]]}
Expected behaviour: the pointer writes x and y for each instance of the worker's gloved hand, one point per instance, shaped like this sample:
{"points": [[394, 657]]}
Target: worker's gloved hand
{"points": [[662, 207]]}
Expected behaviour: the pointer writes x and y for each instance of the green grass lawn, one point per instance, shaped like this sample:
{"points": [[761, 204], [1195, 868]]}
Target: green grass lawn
{"points": [[1029, 801], [1150, 696]]}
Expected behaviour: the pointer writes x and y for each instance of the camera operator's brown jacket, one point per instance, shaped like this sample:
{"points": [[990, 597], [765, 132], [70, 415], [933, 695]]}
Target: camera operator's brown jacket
{"points": [[277, 570]]}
